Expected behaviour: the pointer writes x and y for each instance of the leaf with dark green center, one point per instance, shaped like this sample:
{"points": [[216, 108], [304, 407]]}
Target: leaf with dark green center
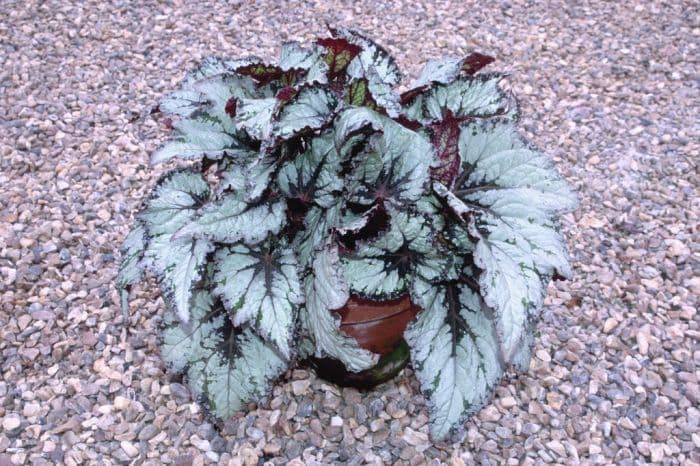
{"points": [[178, 263], [232, 219], [468, 96], [508, 195], [226, 367], [385, 267], [310, 109], [259, 285], [454, 352], [396, 162], [312, 177]]}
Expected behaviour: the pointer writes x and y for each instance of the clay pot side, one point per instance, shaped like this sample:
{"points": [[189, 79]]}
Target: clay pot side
{"points": [[377, 326]]}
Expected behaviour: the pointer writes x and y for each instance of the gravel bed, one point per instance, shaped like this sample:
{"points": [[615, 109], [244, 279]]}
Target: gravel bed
{"points": [[610, 89]]}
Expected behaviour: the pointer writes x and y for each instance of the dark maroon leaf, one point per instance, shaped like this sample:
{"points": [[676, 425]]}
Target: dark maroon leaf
{"points": [[444, 135], [475, 62], [340, 54]]}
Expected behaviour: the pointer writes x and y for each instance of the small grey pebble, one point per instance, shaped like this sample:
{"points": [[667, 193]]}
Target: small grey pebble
{"points": [[376, 406], [306, 408], [64, 255], [179, 391]]}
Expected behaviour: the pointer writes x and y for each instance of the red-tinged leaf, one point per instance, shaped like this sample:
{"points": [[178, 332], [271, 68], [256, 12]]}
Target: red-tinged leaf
{"points": [[230, 108], [286, 94], [406, 122], [340, 53], [475, 62], [358, 94], [411, 94], [168, 123], [261, 72], [444, 135]]}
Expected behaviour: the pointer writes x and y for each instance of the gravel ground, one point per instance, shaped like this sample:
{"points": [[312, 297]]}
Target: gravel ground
{"points": [[610, 91]]}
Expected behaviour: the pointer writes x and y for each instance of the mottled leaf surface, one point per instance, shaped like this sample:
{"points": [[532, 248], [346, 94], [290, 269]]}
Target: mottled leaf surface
{"points": [[226, 368], [509, 195], [178, 263], [260, 286], [327, 290], [455, 353], [385, 268], [396, 161], [372, 55], [468, 96], [232, 219], [254, 116], [311, 109], [312, 177]]}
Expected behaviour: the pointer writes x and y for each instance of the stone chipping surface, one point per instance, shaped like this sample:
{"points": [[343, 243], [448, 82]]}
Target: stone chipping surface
{"points": [[609, 89]]}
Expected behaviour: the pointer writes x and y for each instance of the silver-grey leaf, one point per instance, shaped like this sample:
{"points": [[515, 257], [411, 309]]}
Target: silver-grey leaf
{"points": [[509, 196], [327, 290], [468, 96], [232, 219], [313, 175], [227, 368], [372, 55], [131, 268], [260, 285], [310, 109], [194, 139], [254, 116], [178, 263], [454, 352], [294, 56], [396, 162]]}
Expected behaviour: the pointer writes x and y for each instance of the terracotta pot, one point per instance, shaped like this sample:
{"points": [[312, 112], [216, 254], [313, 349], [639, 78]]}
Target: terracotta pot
{"points": [[377, 326]]}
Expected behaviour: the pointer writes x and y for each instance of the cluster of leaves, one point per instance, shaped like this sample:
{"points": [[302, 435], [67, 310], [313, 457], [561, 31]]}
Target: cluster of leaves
{"points": [[314, 181]]}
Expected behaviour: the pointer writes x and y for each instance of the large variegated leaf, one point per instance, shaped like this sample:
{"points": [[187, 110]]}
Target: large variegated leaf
{"points": [[232, 219], [223, 93], [310, 109], [312, 177], [509, 195], [410, 249], [177, 262], [187, 100], [294, 56], [254, 116], [249, 175], [131, 269], [368, 89], [318, 223], [372, 55], [446, 70], [260, 286], [327, 290], [395, 164], [454, 352], [225, 366], [471, 96], [194, 139]]}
